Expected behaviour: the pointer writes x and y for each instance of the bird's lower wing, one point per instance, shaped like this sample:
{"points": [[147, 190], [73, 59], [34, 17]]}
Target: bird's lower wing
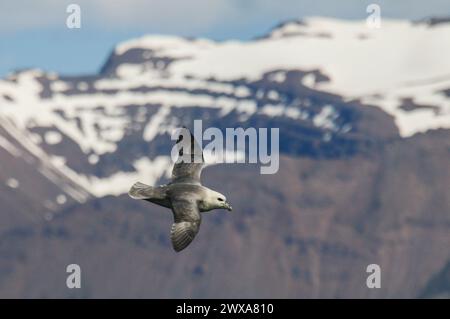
{"points": [[182, 234], [187, 223]]}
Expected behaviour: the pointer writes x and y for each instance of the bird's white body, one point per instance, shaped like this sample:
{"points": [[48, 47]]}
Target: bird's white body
{"points": [[186, 196]]}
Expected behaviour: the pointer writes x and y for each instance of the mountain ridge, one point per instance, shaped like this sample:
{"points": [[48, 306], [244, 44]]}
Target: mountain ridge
{"points": [[363, 173]]}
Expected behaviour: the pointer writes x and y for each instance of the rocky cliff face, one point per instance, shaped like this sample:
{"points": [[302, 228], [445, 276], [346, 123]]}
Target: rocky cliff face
{"points": [[364, 170]]}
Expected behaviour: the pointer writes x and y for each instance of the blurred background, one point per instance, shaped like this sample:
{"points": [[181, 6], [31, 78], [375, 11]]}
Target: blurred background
{"points": [[364, 118], [34, 34]]}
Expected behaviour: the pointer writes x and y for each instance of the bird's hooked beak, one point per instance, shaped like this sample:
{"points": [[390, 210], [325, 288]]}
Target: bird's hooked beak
{"points": [[228, 206]]}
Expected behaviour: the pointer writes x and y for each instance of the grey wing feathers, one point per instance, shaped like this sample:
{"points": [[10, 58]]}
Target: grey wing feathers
{"points": [[190, 162], [182, 234], [187, 223]]}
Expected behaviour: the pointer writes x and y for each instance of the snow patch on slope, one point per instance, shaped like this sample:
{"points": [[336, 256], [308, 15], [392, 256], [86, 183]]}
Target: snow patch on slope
{"points": [[52, 137], [12, 183]]}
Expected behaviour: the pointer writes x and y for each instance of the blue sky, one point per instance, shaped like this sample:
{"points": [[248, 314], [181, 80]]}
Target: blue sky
{"points": [[34, 34]]}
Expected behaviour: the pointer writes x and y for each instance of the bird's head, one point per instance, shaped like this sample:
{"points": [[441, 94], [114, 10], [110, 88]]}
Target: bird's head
{"points": [[219, 200]]}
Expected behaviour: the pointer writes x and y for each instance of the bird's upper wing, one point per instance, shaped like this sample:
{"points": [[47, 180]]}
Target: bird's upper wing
{"points": [[190, 162], [186, 225]]}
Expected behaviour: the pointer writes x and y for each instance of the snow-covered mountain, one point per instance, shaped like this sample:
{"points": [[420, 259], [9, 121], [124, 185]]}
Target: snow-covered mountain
{"points": [[338, 90], [148, 84]]}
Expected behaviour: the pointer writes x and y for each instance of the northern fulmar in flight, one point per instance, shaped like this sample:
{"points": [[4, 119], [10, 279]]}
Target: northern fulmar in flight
{"points": [[185, 194]]}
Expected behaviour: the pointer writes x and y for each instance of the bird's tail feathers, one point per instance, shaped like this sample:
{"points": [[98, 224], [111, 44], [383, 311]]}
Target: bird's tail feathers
{"points": [[140, 191]]}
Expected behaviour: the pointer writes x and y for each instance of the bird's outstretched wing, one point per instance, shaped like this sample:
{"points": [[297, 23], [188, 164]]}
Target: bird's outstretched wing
{"points": [[186, 225], [190, 162]]}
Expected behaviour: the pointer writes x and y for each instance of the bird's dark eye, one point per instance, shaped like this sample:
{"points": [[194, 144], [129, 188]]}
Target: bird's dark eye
{"points": [[220, 199]]}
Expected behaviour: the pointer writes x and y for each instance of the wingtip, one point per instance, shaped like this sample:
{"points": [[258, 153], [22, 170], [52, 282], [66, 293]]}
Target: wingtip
{"points": [[177, 250]]}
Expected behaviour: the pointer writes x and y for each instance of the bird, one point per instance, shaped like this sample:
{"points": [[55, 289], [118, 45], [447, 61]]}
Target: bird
{"points": [[184, 194]]}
